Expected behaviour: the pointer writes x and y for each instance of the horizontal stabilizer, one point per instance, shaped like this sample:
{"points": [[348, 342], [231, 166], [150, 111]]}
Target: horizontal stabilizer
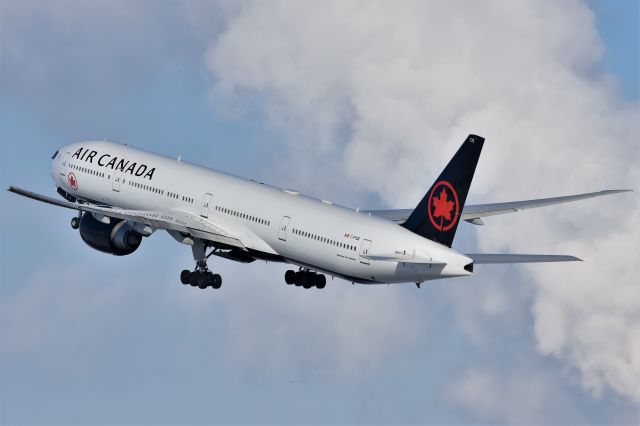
{"points": [[520, 258]]}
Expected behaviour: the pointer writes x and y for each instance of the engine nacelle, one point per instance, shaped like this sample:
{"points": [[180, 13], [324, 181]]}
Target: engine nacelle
{"points": [[116, 237]]}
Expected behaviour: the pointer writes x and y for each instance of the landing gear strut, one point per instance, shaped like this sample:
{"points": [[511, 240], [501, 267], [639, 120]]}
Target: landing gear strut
{"points": [[75, 221], [201, 277], [306, 279]]}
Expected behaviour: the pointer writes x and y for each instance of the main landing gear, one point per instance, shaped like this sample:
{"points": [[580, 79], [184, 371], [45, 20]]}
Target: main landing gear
{"points": [[201, 277], [306, 279]]}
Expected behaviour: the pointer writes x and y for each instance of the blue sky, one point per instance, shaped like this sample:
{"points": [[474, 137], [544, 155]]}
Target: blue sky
{"points": [[89, 338]]}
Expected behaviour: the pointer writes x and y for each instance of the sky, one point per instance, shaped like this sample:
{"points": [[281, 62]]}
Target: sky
{"points": [[361, 103]]}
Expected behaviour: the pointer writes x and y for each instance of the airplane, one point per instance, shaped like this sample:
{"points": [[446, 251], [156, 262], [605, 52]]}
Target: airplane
{"points": [[123, 195]]}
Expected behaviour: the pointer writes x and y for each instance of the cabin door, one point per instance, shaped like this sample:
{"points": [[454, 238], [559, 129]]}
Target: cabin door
{"points": [[282, 231], [206, 202], [364, 251]]}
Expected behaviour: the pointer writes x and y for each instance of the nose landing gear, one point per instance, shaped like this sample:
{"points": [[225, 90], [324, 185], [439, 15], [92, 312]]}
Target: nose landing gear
{"points": [[75, 221], [201, 277], [306, 279]]}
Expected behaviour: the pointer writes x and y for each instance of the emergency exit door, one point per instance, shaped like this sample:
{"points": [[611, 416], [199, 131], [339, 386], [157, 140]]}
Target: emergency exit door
{"points": [[206, 202], [115, 183], [364, 251], [282, 231]]}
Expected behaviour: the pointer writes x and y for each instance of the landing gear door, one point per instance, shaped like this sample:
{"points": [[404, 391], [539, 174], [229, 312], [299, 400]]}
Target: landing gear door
{"points": [[282, 231], [206, 201], [364, 251], [115, 183]]}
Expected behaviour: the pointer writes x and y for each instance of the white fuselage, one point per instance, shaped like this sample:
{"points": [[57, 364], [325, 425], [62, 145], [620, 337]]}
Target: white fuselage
{"points": [[303, 231]]}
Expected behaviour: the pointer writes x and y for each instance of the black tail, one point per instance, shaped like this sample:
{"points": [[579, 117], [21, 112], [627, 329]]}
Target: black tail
{"points": [[438, 214]]}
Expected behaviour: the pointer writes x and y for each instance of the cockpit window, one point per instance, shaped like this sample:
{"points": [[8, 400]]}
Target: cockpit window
{"points": [[54, 155]]}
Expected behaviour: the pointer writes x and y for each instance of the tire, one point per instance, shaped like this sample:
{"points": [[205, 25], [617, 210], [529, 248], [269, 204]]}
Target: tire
{"points": [[321, 281], [194, 279], [75, 223], [216, 281], [185, 276], [307, 280], [290, 277], [298, 277], [204, 280]]}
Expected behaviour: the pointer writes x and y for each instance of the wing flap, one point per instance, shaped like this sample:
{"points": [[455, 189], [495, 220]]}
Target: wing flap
{"points": [[485, 258]]}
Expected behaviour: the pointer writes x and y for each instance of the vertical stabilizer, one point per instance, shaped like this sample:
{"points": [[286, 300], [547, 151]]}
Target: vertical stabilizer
{"points": [[437, 216]]}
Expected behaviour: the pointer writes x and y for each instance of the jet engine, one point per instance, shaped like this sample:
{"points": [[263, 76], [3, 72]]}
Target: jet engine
{"points": [[116, 237]]}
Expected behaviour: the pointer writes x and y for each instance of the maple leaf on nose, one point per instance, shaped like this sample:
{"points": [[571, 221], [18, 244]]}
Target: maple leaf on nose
{"points": [[442, 205]]}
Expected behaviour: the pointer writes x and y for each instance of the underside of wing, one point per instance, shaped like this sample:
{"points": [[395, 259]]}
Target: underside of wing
{"points": [[475, 213], [147, 221], [482, 258]]}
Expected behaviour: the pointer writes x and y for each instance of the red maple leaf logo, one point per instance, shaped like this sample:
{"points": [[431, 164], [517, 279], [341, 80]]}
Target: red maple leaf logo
{"points": [[73, 182], [442, 206]]}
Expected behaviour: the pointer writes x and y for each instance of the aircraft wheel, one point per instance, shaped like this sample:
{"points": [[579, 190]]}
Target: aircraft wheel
{"points": [[75, 222], [215, 281], [185, 276], [290, 277], [321, 281], [194, 279], [307, 280]]}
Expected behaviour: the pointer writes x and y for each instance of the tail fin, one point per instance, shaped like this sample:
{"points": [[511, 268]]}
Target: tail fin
{"points": [[438, 214]]}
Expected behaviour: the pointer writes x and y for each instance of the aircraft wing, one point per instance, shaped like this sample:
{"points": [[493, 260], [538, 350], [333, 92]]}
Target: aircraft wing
{"points": [[520, 258], [474, 213], [148, 221]]}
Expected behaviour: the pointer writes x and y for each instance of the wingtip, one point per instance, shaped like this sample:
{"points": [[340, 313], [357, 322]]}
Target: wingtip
{"points": [[617, 191]]}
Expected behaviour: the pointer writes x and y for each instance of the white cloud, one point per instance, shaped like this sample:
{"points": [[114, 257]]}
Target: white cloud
{"points": [[524, 395], [388, 90]]}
